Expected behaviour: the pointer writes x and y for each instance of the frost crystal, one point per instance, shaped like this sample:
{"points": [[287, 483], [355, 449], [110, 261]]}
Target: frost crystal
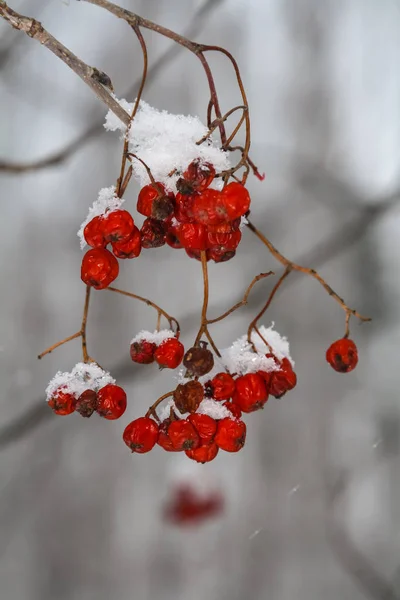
{"points": [[157, 337], [82, 377], [166, 143], [107, 200], [241, 359]]}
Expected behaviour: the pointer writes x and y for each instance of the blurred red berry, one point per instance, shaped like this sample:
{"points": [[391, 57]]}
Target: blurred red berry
{"points": [[169, 353], [94, 234], [118, 226], [222, 385], [231, 434], [62, 403], [205, 426], [342, 355], [188, 508], [141, 435], [111, 402], [183, 435], [204, 453], [251, 392], [131, 248], [99, 268]]}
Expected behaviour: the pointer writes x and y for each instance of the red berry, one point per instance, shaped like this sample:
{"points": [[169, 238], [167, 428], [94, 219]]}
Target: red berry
{"points": [[342, 355], [163, 439], [204, 453], [153, 201], [198, 176], [225, 241], [222, 385], [169, 353], [152, 233], [111, 402], [206, 208], [172, 239], [118, 226], [86, 404], [184, 208], [62, 403], [235, 201], [131, 248], [234, 409], [196, 254], [280, 382], [231, 434], [94, 234], [142, 352], [192, 236], [141, 435], [251, 392], [183, 435], [225, 227], [218, 254], [205, 426], [99, 268]]}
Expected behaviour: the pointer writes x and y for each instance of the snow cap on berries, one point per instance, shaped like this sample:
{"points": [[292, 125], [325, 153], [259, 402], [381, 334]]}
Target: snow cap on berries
{"points": [[241, 359], [167, 143], [156, 337], [84, 376], [107, 200]]}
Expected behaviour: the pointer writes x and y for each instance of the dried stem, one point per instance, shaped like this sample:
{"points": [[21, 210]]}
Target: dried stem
{"points": [[152, 409], [203, 329], [58, 344], [312, 272], [242, 302], [171, 320]]}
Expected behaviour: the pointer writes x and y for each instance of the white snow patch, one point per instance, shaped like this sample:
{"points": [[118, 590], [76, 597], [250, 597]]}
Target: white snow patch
{"points": [[157, 337], [214, 409], [241, 359], [82, 377], [107, 201], [166, 143]]}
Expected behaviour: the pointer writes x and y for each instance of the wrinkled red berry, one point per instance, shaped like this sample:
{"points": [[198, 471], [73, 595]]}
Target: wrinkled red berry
{"points": [[187, 396], [218, 254], [222, 386], [280, 382], [169, 353], [231, 434], [234, 409], [163, 439], [99, 268], [94, 234], [198, 360], [111, 402], [131, 248], [225, 241], [205, 208], [172, 239], [183, 435], [205, 426], [184, 208], [153, 201], [86, 404], [204, 453], [342, 355], [118, 226], [141, 435], [196, 254], [251, 392], [62, 403], [142, 352], [235, 201], [192, 236], [152, 233], [197, 177]]}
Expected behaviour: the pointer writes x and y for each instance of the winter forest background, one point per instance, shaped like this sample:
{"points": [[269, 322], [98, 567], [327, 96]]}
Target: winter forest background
{"points": [[313, 501]]}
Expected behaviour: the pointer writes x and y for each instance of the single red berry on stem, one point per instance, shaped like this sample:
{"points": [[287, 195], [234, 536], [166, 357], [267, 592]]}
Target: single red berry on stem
{"points": [[86, 404], [169, 353], [204, 453], [62, 403], [280, 382], [342, 355], [99, 268], [131, 248], [251, 392], [205, 426], [231, 434], [142, 352], [111, 402], [223, 386], [118, 226], [235, 201], [94, 233], [183, 435], [141, 435]]}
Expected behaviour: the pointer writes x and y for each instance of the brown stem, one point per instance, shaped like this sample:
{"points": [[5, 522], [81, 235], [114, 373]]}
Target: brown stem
{"points": [[171, 320], [311, 272], [203, 329], [242, 302], [95, 79], [86, 357], [253, 324], [58, 344], [215, 124], [152, 409]]}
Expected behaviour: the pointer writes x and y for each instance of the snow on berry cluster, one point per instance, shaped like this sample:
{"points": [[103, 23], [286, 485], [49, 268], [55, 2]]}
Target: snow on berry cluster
{"points": [[204, 414], [86, 389]]}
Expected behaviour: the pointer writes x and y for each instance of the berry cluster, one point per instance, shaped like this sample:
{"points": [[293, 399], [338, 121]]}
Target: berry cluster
{"points": [[196, 218], [162, 347]]}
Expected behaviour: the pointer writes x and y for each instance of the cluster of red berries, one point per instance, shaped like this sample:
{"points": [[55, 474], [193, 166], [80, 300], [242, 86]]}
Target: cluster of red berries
{"points": [[109, 402], [196, 218], [168, 354], [198, 434]]}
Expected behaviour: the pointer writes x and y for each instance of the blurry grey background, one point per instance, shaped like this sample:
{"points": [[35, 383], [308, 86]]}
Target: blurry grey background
{"points": [[313, 501]]}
